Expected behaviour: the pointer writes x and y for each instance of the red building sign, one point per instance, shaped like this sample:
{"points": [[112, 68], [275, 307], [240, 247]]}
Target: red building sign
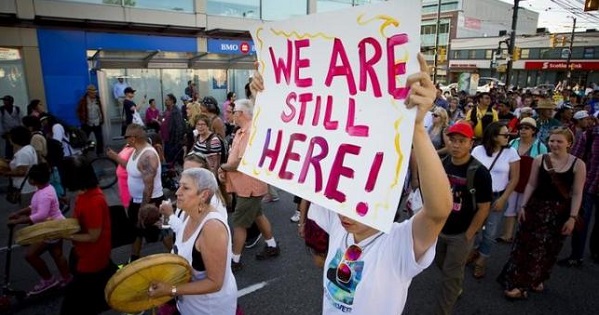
{"points": [[560, 65]]}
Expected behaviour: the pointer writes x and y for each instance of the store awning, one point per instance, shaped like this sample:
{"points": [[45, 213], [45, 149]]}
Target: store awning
{"points": [[156, 59]]}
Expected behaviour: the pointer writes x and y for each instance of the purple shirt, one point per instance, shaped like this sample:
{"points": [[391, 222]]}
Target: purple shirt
{"points": [[589, 153], [151, 114], [164, 128], [44, 205]]}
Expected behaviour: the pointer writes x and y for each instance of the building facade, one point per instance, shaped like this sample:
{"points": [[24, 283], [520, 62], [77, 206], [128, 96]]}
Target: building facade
{"points": [[542, 58]]}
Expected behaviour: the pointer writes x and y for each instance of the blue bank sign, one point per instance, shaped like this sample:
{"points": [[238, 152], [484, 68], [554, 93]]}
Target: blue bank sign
{"points": [[233, 47]]}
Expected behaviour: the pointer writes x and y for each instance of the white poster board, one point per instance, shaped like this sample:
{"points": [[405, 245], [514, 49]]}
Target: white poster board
{"points": [[331, 125]]}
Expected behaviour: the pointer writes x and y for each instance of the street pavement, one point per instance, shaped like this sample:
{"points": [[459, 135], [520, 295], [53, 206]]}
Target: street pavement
{"points": [[291, 284]]}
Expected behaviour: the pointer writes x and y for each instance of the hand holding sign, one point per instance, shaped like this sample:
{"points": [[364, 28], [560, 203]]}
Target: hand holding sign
{"points": [[422, 90]]}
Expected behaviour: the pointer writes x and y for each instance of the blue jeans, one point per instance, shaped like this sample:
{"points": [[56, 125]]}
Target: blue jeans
{"points": [[579, 236], [485, 240]]}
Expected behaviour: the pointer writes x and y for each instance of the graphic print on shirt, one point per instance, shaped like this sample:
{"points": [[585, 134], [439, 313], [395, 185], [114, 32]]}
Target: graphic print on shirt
{"points": [[458, 185], [343, 277]]}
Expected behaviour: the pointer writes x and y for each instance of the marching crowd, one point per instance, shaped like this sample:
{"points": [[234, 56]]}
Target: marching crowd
{"points": [[521, 168]]}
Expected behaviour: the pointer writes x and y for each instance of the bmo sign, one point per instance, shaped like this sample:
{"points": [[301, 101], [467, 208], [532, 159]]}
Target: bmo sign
{"points": [[231, 47]]}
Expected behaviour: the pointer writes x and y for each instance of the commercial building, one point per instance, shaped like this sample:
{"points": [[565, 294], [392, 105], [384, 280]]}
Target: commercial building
{"points": [[541, 58]]}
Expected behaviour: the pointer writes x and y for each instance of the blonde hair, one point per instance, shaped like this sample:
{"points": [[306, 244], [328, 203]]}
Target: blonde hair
{"points": [[443, 118], [194, 111]]}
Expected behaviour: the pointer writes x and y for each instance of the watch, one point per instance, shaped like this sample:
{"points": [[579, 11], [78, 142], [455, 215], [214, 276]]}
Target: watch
{"points": [[173, 291]]}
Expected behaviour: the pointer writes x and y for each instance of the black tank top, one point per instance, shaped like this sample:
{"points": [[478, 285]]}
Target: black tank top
{"points": [[545, 187]]}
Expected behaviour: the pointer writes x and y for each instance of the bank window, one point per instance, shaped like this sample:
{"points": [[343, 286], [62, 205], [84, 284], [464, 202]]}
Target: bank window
{"points": [[12, 77], [171, 5], [589, 52]]}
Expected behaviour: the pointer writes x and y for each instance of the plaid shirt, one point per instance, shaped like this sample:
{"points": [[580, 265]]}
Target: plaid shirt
{"points": [[589, 153]]}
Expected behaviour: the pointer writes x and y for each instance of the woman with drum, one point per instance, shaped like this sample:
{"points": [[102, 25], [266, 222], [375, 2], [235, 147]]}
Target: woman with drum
{"points": [[205, 241], [90, 258], [44, 206]]}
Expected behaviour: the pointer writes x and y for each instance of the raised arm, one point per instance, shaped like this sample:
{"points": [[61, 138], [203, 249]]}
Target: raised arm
{"points": [[436, 196]]}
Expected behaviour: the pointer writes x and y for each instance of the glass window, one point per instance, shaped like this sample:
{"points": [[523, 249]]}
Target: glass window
{"points": [[524, 54], [458, 54], [471, 54], [279, 10], [489, 54], [443, 28], [445, 6], [332, 5], [239, 8], [171, 5], [588, 52], [12, 77], [534, 53]]}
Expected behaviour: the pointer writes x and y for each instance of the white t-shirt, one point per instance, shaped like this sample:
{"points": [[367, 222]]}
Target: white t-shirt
{"points": [[380, 276], [500, 174], [59, 134], [25, 156]]}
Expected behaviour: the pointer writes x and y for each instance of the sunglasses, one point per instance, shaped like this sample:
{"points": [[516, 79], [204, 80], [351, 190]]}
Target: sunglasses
{"points": [[505, 135], [344, 271]]}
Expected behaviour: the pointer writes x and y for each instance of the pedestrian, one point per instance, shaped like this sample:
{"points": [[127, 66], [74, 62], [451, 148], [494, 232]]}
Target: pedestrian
{"points": [[10, 117], [549, 212], [91, 116]]}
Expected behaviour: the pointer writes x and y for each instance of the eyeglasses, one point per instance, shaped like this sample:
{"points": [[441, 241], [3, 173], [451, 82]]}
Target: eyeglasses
{"points": [[505, 135], [344, 271]]}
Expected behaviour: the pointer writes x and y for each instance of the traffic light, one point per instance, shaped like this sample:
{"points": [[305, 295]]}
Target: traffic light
{"points": [[552, 40], [563, 41], [517, 53], [591, 5], [441, 55]]}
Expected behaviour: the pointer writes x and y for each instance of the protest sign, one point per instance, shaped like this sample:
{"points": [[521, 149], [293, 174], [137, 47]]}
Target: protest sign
{"points": [[331, 125]]}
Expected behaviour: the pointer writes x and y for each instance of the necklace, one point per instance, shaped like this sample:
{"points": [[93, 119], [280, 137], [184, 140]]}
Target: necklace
{"points": [[363, 247]]}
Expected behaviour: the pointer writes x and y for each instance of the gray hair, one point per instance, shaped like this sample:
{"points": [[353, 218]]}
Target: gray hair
{"points": [[203, 179], [245, 105]]}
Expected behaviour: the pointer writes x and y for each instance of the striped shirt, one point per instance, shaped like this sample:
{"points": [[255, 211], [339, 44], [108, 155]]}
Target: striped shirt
{"points": [[207, 149], [589, 153]]}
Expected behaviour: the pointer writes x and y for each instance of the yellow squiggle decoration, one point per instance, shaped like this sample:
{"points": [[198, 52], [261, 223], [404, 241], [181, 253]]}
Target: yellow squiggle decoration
{"points": [[260, 42], [388, 21], [262, 67], [254, 127], [397, 145], [302, 36]]}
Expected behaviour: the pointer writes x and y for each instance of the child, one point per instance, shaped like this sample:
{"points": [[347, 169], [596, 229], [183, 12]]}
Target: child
{"points": [[44, 206]]}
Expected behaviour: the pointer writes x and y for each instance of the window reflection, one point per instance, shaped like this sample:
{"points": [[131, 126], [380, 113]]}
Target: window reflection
{"points": [[12, 77], [332, 5], [237, 8], [170, 5]]}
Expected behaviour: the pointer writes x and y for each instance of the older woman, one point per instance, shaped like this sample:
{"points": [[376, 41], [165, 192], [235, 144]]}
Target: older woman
{"points": [[205, 241], [528, 147], [503, 163], [207, 143], [549, 212]]}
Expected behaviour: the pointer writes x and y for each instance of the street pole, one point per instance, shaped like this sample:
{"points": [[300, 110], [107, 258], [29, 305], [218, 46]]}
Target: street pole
{"points": [[511, 44], [436, 61], [569, 75]]}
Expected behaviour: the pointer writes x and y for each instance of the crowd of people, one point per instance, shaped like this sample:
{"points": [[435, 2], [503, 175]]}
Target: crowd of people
{"points": [[520, 168]]}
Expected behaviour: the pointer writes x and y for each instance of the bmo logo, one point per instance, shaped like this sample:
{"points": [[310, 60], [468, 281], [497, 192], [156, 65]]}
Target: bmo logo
{"points": [[244, 48]]}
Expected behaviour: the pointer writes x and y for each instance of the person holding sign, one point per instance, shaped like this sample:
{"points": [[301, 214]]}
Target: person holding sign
{"points": [[367, 271]]}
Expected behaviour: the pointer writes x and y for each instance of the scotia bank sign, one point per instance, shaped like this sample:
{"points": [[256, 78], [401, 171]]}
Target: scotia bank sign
{"points": [[560, 65]]}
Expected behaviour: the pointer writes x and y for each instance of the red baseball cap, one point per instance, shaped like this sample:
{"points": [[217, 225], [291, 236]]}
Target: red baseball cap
{"points": [[463, 129]]}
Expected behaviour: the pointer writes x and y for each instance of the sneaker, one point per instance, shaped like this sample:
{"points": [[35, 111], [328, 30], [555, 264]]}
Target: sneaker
{"points": [[296, 217], [569, 262], [275, 199], [236, 266], [64, 282], [43, 286], [252, 242], [268, 252]]}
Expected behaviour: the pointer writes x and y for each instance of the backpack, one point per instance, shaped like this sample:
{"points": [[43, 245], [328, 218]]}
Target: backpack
{"points": [[77, 138], [55, 153], [224, 147], [473, 167]]}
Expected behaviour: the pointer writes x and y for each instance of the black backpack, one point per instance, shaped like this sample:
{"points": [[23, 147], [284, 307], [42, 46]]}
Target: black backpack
{"points": [[77, 137], [224, 147], [55, 153], [470, 174]]}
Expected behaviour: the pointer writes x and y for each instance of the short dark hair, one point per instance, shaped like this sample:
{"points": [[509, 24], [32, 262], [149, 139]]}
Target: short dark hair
{"points": [[172, 97], [151, 100], [78, 173], [40, 173], [489, 135], [32, 122], [20, 135], [229, 95]]}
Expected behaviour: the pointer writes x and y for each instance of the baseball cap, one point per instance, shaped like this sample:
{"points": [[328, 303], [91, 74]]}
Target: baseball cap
{"points": [[463, 129], [129, 90], [581, 114]]}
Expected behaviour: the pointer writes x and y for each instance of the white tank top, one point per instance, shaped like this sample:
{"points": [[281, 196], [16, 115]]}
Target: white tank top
{"points": [[135, 179], [223, 302]]}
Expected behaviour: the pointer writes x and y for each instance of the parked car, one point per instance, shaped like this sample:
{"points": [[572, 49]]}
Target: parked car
{"points": [[447, 88], [485, 84]]}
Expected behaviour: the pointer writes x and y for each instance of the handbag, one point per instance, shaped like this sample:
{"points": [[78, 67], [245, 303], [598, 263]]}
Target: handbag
{"points": [[137, 119], [13, 194]]}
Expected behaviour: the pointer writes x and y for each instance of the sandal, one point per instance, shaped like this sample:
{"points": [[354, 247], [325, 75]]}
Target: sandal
{"points": [[515, 294], [480, 270], [539, 288]]}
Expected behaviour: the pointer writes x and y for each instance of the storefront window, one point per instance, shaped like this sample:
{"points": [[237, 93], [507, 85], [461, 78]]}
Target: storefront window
{"points": [[238, 8], [12, 77], [524, 53], [171, 5]]}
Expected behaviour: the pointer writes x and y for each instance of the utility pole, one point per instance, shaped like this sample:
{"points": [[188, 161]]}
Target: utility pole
{"points": [[569, 75], [511, 44], [436, 61]]}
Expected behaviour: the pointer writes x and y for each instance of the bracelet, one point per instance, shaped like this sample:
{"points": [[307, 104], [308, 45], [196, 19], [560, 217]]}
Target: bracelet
{"points": [[173, 291], [574, 216]]}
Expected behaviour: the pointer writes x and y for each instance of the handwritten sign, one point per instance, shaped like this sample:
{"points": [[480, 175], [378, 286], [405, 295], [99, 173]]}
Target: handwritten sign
{"points": [[331, 125]]}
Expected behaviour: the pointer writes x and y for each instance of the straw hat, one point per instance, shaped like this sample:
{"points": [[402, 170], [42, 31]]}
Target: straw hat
{"points": [[528, 122], [546, 104]]}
